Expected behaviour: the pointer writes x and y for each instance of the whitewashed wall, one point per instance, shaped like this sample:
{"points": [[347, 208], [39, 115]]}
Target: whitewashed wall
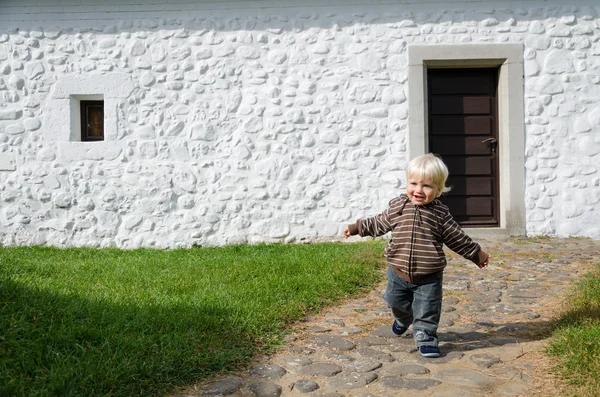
{"points": [[265, 121]]}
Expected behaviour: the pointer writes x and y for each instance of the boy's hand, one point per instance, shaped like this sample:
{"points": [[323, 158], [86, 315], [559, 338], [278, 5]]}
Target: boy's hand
{"points": [[347, 232], [485, 262]]}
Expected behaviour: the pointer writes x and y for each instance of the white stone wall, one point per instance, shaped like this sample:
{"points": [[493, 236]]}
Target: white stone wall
{"points": [[248, 121]]}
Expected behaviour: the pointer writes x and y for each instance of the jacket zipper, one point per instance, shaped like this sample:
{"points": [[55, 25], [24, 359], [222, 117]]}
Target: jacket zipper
{"points": [[412, 247]]}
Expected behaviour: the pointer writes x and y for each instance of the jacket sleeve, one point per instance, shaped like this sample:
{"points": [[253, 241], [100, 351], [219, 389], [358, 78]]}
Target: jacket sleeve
{"points": [[375, 226], [458, 241]]}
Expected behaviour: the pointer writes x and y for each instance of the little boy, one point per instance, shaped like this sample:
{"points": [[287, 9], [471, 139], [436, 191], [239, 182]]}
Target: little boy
{"points": [[420, 225]]}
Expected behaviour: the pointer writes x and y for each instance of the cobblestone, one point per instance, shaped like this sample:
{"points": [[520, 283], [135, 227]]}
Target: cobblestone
{"points": [[500, 315]]}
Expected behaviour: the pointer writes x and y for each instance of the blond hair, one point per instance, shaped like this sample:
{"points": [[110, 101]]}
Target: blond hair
{"points": [[429, 166]]}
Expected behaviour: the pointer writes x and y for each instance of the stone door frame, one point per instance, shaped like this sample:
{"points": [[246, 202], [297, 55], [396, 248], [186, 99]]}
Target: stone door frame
{"points": [[511, 127]]}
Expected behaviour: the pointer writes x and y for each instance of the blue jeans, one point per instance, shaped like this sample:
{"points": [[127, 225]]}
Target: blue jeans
{"points": [[416, 304]]}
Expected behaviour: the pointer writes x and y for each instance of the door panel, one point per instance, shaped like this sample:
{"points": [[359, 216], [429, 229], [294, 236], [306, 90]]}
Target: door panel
{"points": [[471, 206], [452, 146], [463, 131], [472, 186], [475, 83], [468, 166], [470, 125], [461, 105]]}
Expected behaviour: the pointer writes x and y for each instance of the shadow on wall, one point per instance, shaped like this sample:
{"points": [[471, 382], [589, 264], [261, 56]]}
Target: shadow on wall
{"points": [[71, 346]]}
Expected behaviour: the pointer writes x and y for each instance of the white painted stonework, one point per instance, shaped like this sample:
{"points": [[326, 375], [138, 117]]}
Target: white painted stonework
{"points": [[252, 121]]}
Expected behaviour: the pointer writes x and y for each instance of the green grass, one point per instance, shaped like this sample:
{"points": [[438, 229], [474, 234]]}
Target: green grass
{"points": [[576, 340], [86, 322]]}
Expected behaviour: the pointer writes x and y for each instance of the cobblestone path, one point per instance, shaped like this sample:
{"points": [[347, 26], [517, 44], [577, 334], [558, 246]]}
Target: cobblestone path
{"points": [[494, 321]]}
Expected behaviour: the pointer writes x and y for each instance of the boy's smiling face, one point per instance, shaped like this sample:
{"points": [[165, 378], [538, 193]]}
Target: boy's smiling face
{"points": [[421, 191]]}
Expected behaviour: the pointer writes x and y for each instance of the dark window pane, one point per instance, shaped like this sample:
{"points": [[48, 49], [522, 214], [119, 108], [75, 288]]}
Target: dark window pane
{"points": [[92, 120], [95, 121]]}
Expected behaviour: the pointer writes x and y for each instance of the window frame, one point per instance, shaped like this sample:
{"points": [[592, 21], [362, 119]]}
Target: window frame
{"points": [[84, 106]]}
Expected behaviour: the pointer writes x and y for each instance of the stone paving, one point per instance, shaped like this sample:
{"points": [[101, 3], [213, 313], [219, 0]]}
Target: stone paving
{"points": [[492, 320]]}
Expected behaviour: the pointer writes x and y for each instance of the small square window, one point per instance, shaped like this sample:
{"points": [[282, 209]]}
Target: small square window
{"points": [[92, 120]]}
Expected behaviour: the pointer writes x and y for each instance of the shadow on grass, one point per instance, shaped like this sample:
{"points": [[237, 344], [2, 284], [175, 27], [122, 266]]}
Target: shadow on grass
{"points": [[60, 345]]}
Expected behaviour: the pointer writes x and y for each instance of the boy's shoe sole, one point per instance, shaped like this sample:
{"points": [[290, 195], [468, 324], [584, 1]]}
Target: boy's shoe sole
{"points": [[429, 351], [398, 329]]}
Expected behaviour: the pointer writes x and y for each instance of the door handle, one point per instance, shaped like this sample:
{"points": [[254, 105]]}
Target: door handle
{"points": [[493, 142]]}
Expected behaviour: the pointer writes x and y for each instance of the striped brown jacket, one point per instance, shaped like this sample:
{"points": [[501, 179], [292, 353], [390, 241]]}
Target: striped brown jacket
{"points": [[418, 233]]}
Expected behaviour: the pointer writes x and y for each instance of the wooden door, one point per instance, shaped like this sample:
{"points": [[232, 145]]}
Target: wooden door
{"points": [[463, 130]]}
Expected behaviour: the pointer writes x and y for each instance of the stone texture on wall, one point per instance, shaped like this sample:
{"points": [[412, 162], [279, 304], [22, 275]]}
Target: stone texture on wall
{"points": [[266, 125]]}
